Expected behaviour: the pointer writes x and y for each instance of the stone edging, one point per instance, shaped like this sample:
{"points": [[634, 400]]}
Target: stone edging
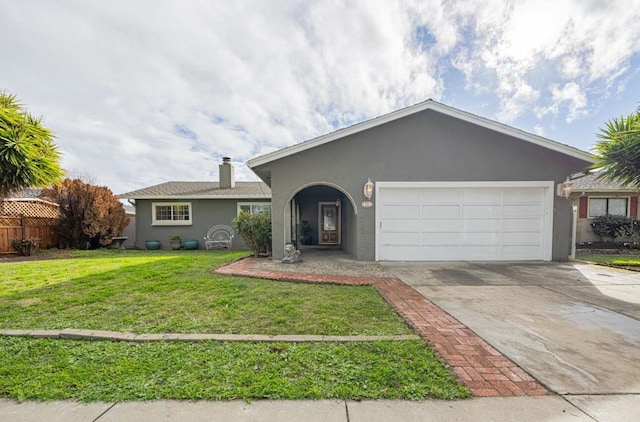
{"points": [[78, 334]]}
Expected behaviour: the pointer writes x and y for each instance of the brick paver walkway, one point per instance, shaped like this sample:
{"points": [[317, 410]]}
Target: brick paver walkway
{"points": [[478, 365]]}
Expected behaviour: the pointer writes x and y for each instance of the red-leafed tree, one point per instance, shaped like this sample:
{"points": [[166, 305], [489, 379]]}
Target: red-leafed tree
{"points": [[90, 216]]}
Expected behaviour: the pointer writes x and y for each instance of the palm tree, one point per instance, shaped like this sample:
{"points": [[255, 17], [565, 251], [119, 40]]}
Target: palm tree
{"points": [[28, 155], [618, 150]]}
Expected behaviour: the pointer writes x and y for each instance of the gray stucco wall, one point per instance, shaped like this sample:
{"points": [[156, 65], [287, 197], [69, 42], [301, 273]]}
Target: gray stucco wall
{"points": [[426, 146], [206, 213]]}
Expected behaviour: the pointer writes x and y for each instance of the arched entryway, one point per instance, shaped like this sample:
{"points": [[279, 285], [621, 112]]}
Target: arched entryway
{"points": [[321, 216]]}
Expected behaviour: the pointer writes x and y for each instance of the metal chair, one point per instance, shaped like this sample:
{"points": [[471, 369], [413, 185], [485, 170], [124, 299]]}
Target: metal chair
{"points": [[219, 236]]}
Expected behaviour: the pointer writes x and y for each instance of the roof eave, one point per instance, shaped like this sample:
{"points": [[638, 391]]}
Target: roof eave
{"points": [[426, 105], [257, 196]]}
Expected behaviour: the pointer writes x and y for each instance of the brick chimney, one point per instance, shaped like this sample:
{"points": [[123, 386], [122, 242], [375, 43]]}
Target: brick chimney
{"points": [[227, 178]]}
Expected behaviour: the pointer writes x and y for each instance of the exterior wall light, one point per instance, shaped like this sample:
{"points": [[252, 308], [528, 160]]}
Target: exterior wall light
{"points": [[564, 188], [368, 193]]}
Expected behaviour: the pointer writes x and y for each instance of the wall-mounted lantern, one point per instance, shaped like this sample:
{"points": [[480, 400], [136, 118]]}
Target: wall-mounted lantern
{"points": [[564, 188], [368, 193]]}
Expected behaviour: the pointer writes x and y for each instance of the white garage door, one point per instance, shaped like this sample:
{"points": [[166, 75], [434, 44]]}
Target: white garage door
{"points": [[464, 221]]}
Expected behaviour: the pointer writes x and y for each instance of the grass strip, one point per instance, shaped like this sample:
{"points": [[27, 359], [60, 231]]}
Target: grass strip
{"points": [[622, 261], [111, 371]]}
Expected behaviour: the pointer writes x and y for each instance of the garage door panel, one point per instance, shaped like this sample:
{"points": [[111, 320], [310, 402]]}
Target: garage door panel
{"points": [[440, 196], [519, 196], [439, 225], [440, 253], [522, 224], [399, 225], [435, 239], [463, 223], [401, 239], [400, 211], [403, 253], [441, 211], [521, 211], [522, 252], [521, 238], [481, 225], [477, 239], [481, 211], [401, 195], [482, 196], [481, 252]]}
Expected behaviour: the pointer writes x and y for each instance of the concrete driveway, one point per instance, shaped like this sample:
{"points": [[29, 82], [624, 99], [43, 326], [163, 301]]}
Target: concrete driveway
{"points": [[574, 327]]}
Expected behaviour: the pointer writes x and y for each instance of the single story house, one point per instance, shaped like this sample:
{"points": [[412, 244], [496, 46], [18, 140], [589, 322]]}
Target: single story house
{"points": [[190, 209], [593, 197], [445, 185]]}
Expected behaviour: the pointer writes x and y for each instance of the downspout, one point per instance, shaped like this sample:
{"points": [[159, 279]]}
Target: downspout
{"points": [[574, 226]]}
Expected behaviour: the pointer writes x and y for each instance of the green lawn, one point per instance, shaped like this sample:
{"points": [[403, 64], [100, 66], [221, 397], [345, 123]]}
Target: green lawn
{"points": [[154, 292], [106, 371], [623, 261], [147, 292]]}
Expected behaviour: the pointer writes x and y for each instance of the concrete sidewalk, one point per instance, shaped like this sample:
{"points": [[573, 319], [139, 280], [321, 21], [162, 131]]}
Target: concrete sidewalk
{"points": [[495, 409]]}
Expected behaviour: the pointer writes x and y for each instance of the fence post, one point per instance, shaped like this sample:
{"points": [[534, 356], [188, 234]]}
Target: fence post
{"points": [[23, 226]]}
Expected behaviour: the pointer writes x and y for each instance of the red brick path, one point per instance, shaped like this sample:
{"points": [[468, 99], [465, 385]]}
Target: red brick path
{"points": [[482, 368]]}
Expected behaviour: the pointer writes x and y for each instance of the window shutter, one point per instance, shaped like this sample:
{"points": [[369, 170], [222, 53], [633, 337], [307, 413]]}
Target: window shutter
{"points": [[582, 208], [633, 207]]}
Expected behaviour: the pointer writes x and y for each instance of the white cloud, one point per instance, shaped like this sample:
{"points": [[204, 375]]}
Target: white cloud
{"points": [[116, 79]]}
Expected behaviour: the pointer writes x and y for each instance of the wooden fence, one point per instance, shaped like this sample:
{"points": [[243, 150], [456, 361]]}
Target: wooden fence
{"points": [[39, 228]]}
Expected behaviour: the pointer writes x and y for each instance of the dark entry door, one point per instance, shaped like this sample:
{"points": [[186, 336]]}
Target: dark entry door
{"points": [[329, 224]]}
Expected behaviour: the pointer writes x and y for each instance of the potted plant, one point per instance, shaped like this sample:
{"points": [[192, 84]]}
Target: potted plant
{"points": [[175, 242], [305, 233], [152, 245], [190, 244]]}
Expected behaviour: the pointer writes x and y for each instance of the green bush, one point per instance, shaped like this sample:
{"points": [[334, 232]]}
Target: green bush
{"points": [[255, 230], [615, 226]]}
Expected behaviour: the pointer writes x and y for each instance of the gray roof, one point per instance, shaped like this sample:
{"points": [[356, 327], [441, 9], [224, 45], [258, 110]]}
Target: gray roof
{"points": [[591, 182], [200, 190], [26, 193]]}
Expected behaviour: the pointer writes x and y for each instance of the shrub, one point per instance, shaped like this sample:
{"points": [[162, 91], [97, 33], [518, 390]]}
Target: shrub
{"points": [[90, 216], [614, 226], [255, 230]]}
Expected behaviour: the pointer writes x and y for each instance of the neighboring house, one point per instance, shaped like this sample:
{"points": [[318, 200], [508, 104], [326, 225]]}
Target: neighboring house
{"points": [[595, 197], [190, 209], [449, 185]]}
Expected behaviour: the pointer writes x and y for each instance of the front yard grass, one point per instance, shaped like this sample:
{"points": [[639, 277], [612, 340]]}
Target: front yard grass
{"points": [[623, 261], [151, 292], [176, 292], [107, 371]]}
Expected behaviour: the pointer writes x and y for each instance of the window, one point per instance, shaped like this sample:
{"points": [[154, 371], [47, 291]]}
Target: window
{"points": [[255, 207], [607, 206], [171, 214]]}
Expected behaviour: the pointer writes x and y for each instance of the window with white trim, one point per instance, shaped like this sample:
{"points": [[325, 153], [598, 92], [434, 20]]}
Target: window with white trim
{"points": [[608, 206], [255, 207], [171, 214]]}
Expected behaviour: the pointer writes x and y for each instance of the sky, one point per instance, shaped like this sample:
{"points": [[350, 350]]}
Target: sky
{"points": [[146, 91]]}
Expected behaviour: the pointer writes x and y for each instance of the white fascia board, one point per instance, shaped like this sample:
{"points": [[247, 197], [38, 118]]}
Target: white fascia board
{"points": [[427, 105], [608, 191], [172, 197], [469, 184]]}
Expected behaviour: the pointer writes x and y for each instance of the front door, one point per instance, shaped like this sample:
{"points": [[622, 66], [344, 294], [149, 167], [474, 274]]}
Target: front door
{"points": [[329, 224]]}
